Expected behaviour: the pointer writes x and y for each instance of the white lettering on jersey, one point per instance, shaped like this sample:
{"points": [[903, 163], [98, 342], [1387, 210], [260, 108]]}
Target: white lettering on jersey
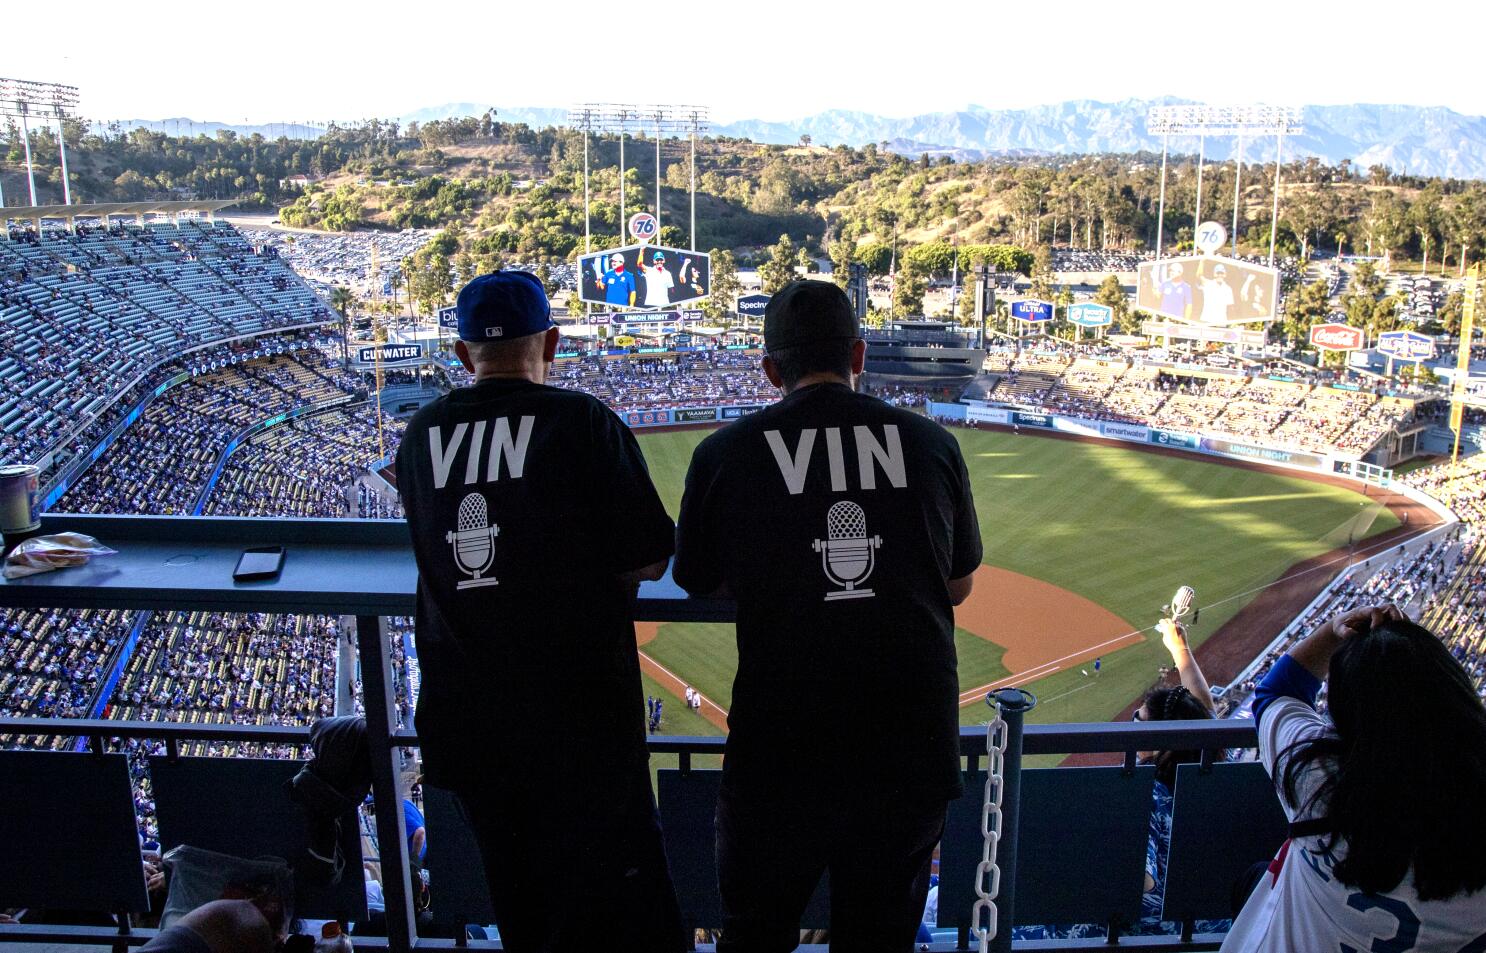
{"points": [[472, 465], [836, 459], [443, 458], [793, 469], [891, 458], [514, 452]]}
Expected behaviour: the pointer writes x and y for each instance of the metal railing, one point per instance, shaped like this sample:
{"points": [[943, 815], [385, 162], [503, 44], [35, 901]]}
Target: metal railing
{"points": [[365, 568]]}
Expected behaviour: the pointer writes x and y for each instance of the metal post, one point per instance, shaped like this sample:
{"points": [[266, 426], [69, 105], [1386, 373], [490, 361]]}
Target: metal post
{"points": [[1274, 215], [30, 172], [587, 237], [1237, 189], [693, 232], [1161, 206], [622, 115], [1014, 704], [392, 835], [657, 176], [62, 147], [1197, 212]]}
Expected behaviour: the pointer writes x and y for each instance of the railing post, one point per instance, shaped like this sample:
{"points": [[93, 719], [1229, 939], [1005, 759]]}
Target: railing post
{"points": [[1014, 704], [392, 837]]}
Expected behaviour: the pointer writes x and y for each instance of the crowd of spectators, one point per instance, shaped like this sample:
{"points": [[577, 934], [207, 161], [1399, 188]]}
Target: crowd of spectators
{"points": [[307, 467], [1104, 386], [1442, 583], [684, 379], [162, 463], [86, 314]]}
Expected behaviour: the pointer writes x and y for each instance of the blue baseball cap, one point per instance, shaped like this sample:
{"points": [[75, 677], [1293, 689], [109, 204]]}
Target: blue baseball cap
{"points": [[503, 305]]}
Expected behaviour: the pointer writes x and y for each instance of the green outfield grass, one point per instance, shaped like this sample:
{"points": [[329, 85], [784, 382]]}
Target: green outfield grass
{"points": [[1120, 527]]}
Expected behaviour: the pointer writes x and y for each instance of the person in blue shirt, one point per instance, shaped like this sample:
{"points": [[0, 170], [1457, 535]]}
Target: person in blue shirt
{"points": [[412, 819], [617, 284]]}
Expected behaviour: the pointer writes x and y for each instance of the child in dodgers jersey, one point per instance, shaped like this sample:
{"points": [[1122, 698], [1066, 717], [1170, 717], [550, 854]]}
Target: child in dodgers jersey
{"points": [[1300, 904]]}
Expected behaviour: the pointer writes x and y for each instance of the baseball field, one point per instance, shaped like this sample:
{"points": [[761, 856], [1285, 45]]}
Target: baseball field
{"points": [[1084, 542]]}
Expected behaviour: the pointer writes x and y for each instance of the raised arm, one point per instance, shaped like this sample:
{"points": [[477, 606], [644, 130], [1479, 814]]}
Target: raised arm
{"points": [[1174, 637]]}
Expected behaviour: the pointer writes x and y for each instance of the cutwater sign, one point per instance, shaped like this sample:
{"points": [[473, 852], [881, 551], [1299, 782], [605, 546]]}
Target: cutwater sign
{"points": [[1032, 310], [1406, 345], [1091, 315], [389, 353], [449, 318], [752, 306]]}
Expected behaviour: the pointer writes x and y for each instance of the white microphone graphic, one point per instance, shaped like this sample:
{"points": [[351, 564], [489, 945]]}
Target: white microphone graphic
{"points": [[847, 554], [474, 547], [1181, 604]]}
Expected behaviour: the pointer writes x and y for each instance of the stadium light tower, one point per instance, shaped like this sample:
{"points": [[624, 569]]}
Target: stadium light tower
{"points": [[619, 118], [23, 99], [1240, 121]]}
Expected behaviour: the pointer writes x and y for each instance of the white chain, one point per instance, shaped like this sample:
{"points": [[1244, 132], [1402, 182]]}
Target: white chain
{"points": [[987, 873]]}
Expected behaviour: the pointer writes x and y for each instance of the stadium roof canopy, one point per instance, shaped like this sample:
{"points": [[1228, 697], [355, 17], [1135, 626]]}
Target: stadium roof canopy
{"points": [[110, 209]]}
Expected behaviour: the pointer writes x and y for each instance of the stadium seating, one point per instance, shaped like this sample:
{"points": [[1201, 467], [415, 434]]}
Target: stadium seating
{"points": [[86, 314]]}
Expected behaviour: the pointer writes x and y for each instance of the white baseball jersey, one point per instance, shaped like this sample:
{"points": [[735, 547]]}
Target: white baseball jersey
{"points": [[1307, 908], [1217, 298]]}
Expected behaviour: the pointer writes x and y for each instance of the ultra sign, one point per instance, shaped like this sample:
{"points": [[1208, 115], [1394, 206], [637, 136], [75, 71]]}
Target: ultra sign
{"points": [[1032, 310]]}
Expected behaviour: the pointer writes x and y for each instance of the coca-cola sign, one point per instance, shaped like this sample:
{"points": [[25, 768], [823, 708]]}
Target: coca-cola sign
{"points": [[1336, 337]]}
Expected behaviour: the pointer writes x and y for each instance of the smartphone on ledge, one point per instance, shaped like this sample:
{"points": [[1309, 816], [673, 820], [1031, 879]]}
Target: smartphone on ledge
{"points": [[261, 563]]}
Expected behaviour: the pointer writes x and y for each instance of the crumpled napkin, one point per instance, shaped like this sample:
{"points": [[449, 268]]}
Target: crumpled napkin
{"points": [[58, 551]]}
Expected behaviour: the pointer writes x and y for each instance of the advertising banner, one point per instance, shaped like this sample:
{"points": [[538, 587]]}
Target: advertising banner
{"points": [[647, 418], [988, 415], [1187, 332], [624, 340], [1337, 337], [1406, 345], [644, 276], [1087, 428], [389, 353], [1032, 310], [1090, 315], [449, 318], [1126, 431], [1232, 449], [1023, 419], [752, 306], [693, 415], [1208, 290], [1166, 438], [740, 410]]}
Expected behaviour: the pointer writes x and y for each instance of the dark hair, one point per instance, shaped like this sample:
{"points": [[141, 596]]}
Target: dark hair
{"points": [[1406, 768], [1174, 704], [831, 356]]}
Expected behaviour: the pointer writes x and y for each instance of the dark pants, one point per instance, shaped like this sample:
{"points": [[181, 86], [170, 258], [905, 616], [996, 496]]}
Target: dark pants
{"points": [[575, 873], [771, 853]]}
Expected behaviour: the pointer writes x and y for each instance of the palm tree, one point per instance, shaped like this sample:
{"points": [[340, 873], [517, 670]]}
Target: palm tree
{"points": [[342, 300]]}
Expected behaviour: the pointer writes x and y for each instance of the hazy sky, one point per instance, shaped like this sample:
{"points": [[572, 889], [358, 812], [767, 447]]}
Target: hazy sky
{"points": [[270, 61]]}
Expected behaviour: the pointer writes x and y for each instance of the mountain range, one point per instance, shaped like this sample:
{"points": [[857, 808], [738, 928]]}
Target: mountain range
{"points": [[1419, 140]]}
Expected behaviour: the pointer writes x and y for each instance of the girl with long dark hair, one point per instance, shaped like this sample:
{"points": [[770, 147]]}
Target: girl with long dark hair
{"points": [[1386, 797]]}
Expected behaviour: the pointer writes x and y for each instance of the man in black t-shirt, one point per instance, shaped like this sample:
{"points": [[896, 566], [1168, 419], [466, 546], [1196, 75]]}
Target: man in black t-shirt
{"points": [[533, 519], [846, 532]]}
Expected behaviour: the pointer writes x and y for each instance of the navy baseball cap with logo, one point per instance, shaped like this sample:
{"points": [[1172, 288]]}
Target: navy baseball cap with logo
{"points": [[503, 305], [805, 311]]}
